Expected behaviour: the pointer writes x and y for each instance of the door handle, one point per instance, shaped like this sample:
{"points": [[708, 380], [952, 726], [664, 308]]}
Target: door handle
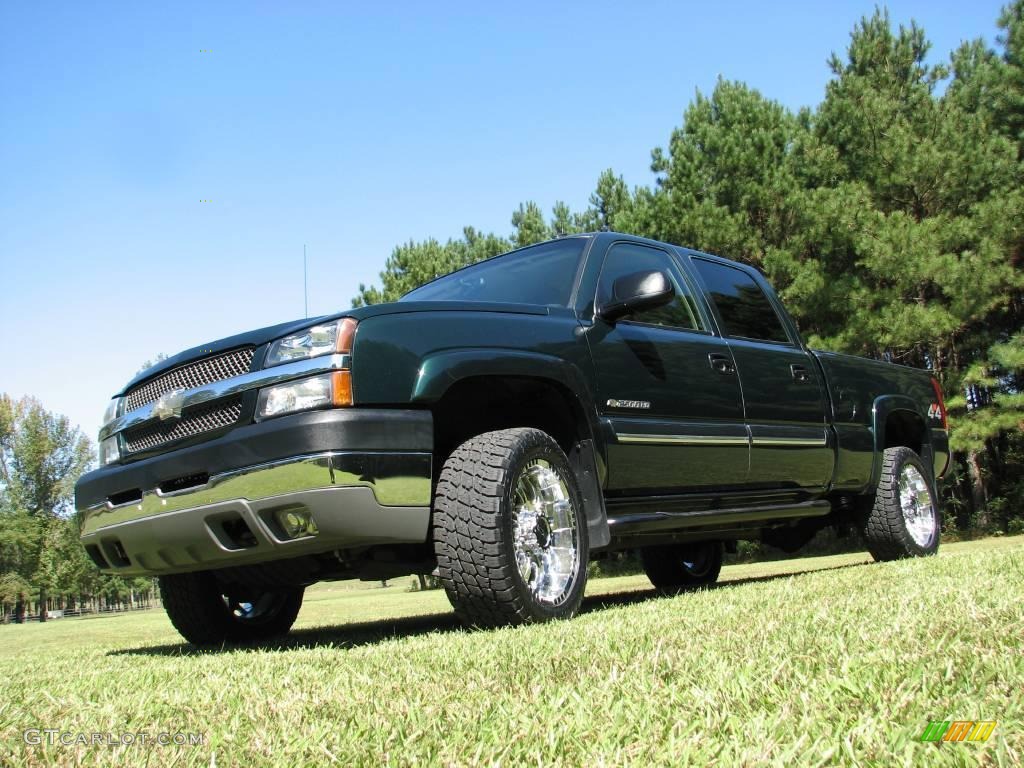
{"points": [[721, 363], [799, 373]]}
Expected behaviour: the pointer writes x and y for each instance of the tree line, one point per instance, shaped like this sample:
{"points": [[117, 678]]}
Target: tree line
{"points": [[889, 218], [42, 564]]}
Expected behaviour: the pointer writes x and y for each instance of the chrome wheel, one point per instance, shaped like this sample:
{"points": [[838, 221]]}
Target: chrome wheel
{"points": [[676, 568], [261, 608], [545, 533], [917, 505], [697, 561]]}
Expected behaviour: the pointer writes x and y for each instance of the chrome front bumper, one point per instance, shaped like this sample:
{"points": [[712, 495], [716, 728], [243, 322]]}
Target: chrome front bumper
{"points": [[354, 499]]}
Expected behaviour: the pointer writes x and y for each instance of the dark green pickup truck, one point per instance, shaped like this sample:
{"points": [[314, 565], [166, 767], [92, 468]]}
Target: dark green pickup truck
{"points": [[501, 426]]}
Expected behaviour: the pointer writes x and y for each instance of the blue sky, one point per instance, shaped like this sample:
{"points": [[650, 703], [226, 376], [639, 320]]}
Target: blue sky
{"points": [[347, 127]]}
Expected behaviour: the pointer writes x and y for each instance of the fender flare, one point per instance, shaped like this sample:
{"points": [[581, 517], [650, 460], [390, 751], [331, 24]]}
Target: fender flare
{"points": [[881, 409], [439, 371]]}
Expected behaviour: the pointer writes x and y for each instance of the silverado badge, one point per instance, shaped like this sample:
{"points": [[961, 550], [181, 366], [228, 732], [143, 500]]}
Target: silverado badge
{"points": [[628, 404], [169, 405]]}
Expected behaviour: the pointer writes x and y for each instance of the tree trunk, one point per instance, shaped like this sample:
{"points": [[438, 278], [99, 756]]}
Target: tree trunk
{"points": [[961, 489], [42, 604], [996, 449], [19, 609], [979, 494]]}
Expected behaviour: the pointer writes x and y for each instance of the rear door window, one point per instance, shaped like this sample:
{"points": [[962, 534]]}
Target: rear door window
{"points": [[745, 310]]}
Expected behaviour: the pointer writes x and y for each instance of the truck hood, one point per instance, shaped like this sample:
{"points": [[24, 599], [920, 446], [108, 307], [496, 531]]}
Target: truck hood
{"points": [[404, 307], [265, 335]]}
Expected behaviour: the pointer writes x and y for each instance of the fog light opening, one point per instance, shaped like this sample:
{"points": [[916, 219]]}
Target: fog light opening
{"points": [[295, 522]]}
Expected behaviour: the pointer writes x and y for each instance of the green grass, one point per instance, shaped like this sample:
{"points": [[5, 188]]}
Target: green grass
{"points": [[800, 662]]}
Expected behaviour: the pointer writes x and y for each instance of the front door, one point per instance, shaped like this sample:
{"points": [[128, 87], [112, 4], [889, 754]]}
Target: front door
{"points": [[667, 388]]}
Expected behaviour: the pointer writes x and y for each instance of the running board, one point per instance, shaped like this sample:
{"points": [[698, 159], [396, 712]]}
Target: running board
{"points": [[650, 522]]}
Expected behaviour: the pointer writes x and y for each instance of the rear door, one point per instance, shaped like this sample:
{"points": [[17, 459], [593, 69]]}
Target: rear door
{"points": [[784, 397], [667, 387]]}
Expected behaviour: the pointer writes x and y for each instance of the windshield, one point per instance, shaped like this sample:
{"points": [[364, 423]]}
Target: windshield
{"points": [[541, 274]]}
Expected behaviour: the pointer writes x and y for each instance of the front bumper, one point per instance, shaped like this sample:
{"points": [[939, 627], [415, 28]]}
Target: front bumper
{"points": [[196, 509]]}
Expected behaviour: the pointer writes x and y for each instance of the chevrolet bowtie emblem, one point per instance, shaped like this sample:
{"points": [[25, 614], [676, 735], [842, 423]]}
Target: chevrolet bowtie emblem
{"points": [[169, 405]]}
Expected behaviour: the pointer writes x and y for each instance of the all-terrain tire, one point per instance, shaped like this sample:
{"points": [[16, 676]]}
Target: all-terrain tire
{"points": [[675, 568], [200, 610], [492, 577], [889, 532]]}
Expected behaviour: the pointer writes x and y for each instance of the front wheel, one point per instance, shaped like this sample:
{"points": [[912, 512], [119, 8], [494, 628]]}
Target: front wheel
{"points": [[509, 530], [904, 520], [208, 613]]}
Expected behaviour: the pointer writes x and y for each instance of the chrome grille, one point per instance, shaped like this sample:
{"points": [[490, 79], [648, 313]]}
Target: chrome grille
{"points": [[190, 375], [195, 421]]}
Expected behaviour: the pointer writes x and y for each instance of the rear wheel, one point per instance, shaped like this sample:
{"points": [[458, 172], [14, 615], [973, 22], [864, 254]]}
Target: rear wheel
{"points": [[208, 613], [509, 531], [675, 568], [904, 520]]}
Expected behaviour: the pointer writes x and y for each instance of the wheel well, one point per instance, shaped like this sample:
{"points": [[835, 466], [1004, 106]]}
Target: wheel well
{"points": [[484, 403], [906, 429]]}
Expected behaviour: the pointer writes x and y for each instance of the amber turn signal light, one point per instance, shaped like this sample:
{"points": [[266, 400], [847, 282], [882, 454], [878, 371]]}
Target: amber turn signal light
{"points": [[341, 391], [346, 332]]}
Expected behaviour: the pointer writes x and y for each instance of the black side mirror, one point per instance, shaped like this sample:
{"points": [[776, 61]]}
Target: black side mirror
{"points": [[636, 292]]}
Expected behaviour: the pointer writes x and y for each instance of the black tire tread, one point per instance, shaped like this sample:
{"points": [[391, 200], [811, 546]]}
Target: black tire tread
{"points": [[193, 604], [663, 565], [885, 530], [475, 563], [190, 611]]}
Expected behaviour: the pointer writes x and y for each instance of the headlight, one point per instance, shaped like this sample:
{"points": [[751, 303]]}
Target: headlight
{"points": [[113, 410], [110, 451], [329, 390], [327, 339]]}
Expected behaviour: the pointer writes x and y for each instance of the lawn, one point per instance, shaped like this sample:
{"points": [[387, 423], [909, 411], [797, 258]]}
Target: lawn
{"points": [[799, 662]]}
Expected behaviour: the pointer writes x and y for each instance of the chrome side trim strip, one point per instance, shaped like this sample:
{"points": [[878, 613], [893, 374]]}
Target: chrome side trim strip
{"points": [[723, 440], [718, 440], [795, 442], [233, 386]]}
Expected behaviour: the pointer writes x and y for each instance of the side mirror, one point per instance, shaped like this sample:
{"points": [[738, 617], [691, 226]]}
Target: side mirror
{"points": [[636, 292]]}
